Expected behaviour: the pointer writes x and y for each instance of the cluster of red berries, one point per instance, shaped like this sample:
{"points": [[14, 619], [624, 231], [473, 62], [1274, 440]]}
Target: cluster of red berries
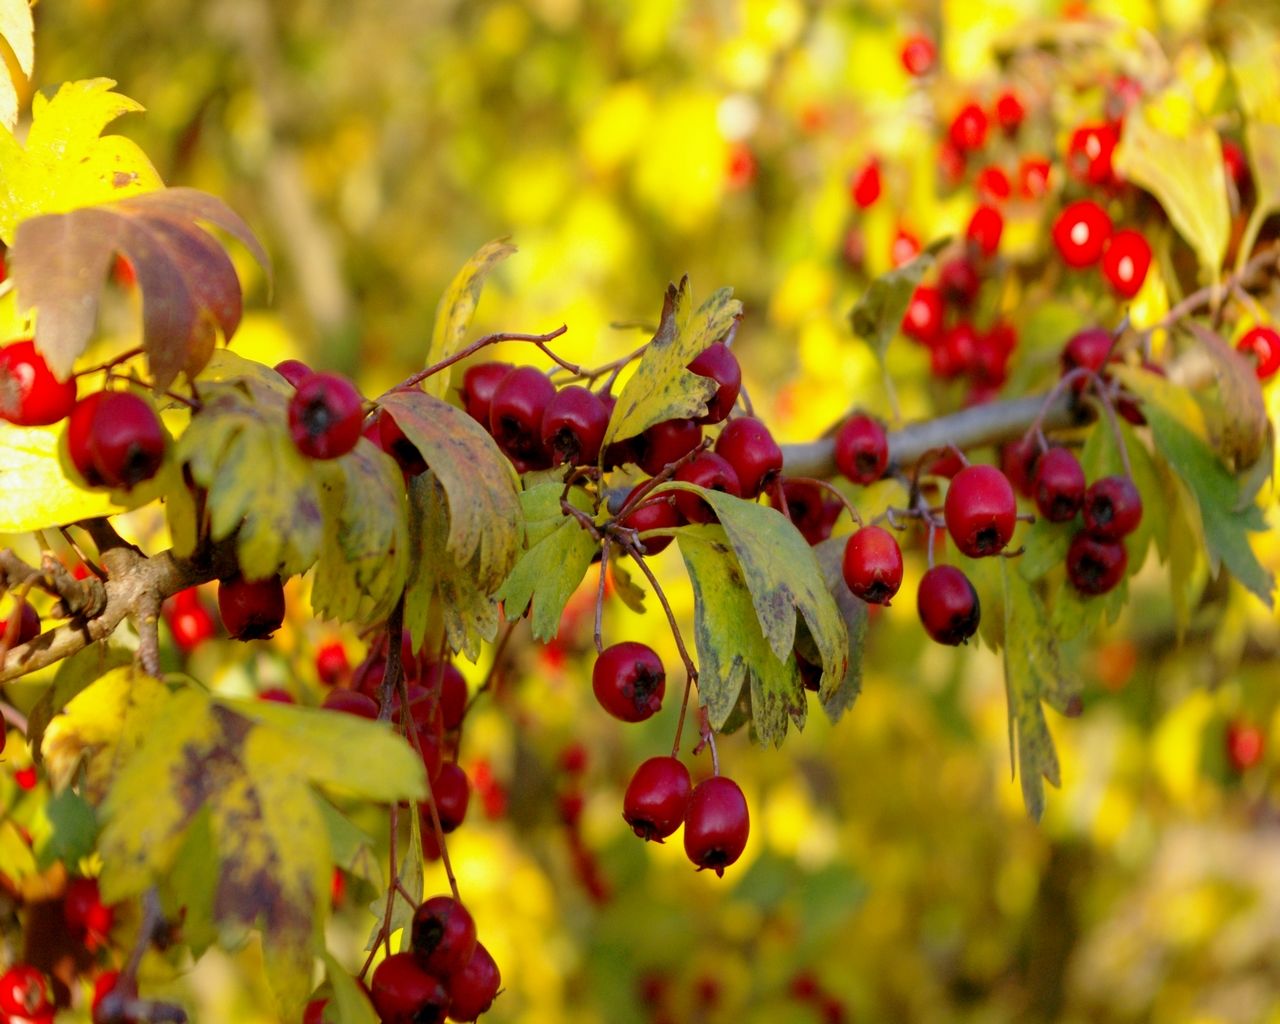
{"points": [[1084, 236]]}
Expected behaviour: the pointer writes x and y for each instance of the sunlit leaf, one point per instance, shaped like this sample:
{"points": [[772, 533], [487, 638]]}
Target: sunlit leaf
{"points": [[35, 491], [1045, 548], [350, 1004], [1236, 415], [458, 306], [877, 315], [17, 29]]}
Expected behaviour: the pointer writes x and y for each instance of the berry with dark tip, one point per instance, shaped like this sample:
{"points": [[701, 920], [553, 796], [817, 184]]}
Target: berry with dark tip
{"points": [[251, 609], [126, 441], [658, 513], [711, 472], [959, 282], [403, 993], [1112, 508], [748, 446], [326, 414], [806, 506], [666, 442], [473, 989], [392, 440], [442, 935], [1095, 566], [862, 449], [1059, 485], [85, 913], [720, 364], [1088, 349], [629, 681], [478, 385], [716, 824], [1080, 233], [516, 409], [1009, 111], [30, 395], [948, 605], [573, 426], [981, 510], [872, 565], [657, 798]]}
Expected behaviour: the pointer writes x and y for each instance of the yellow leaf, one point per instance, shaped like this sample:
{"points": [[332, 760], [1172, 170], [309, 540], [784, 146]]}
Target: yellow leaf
{"points": [[457, 307], [35, 491], [17, 29]]}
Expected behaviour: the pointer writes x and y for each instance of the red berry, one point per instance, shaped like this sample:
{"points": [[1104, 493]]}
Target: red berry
{"points": [[515, 413], [1059, 485], [473, 989], [453, 793], [1126, 261], [711, 472], [352, 702], [1264, 344], [573, 426], [1033, 177], [968, 130], [981, 510], [992, 184], [314, 1012], [478, 385], [30, 395], [746, 444], [392, 440], [1009, 111], [923, 318], [453, 692], [658, 513], [862, 449], [872, 565], [1087, 349], [126, 441], [1080, 233], [951, 163], [865, 186], [985, 228], [369, 675], [85, 913], [666, 442], [1245, 744], [251, 609], [294, 371], [948, 605], [720, 364], [403, 993], [716, 824], [79, 434], [955, 353], [959, 282], [1095, 566], [1112, 508], [629, 681], [1236, 165], [1089, 153], [24, 992], [1018, 461], [918, 55], [326, 414], [189, 620], [443, 935], [107, 984], [904, 249], [332, 663], [657, 798], [28, 627], [277, 696], [806, 507]]}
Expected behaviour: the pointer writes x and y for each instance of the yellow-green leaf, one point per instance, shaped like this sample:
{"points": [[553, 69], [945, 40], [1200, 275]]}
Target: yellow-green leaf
{"points": [[17, 29], [877, 315], [1236, 414], [458, 306], [853, 611], [35, 491], [1262, 139], [350, 1004]]}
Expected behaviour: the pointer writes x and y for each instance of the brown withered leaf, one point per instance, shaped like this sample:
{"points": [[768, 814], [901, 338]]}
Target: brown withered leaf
{"points": [[189, 287]]}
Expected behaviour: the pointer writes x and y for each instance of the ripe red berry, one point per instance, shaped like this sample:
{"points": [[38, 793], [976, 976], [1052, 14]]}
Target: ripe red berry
{"points": [[24, 992], [629, 681], [923, 318], [981, 510], [711, 472], [453, 692], [1095, 566], [189, 620], [748, 446], [806, 507], [352, 702], [1126, 261], [1087, 349], [658, 513], [1112, 508], [985, 228], [720, 364], [717, 824], [666, 442], [85, 913], [516, 410], [251, 609], [126, 442], [1245, 743], [1009, 111], [1089, 153], [1059, 485], [862, 449], [443, 935], [453, 793], [28, 627], [1264, 344], [392, 440], [326, 414], [1018, 461], [277, 695], [657, 798], [30, 395], [904, 249], [294, 371], [992, 184], [918, 55], [314, 1012], [948, 605], [478, 385], [968, 129], [1033, 177], [403, 993], [865, 185], [959, 282], [872, 565], [473, 989], [79, 433], [332, 663], [1236, 165], [951, 163], [573, 426], [1080, 233]]}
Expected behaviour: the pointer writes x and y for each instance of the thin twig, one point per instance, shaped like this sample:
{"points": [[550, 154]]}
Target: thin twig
{"points": [[490, 339]]}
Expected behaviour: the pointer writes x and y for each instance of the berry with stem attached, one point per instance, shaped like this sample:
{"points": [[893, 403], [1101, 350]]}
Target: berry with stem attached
{"points": [[473, 989], [748, 446], [948, 605], [1059, 485], [326, 414], [665, 443], [28, 624], [126, 442], [1112, 508], [717, 824], [393, 441], [981, 511], [573, 425], [657, 798], [516, 410], [629, 681], [30, 395], [862, 449], [442, 935], [658, 513], [251, 609], [720, 364], [872, 565], [403, 993], [1095, 566], [1088, 349], [711, 472]]}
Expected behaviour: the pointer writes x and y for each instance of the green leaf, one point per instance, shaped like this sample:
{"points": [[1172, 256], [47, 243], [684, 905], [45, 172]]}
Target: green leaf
{"points": [[877, 316], [1101, 457], [67, 833], [1045, 547], [661, 387], [17, 862], [18, 30], [350, 1005], [458, 306], [629, 592], [1235, 413], [784, 578], [732, 649], [853, 611], [35, 491], [1170, 151]]}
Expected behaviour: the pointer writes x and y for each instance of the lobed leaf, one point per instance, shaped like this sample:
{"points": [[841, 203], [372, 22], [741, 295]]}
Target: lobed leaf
{"points": [[457, 307]]}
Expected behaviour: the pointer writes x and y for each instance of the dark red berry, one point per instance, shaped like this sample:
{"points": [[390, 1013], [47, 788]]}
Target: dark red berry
{"points": [[277, 696], [748, 446], [955, 352], [1087, 349], [918, 55], [985, 228], [1112, 508], [85, 913], [629, 681], [1095, 566], [657, 798], [959, 281], [332, 663], [806, 507], [30, 395], [478, 385], [1126, 261], [126, 441], [923, 318], [1080, 233], [1009, 111], [1245, 744], [658, 513], [872, 564], [314, 1012], [948, 605], [864, 187], [452, 692], [711, 472], [1089, 153], [1018, 461], [443, 935], [295, 371], [352, 702], [452, 792], [403, 993], [720, 364], [1059, 485], [326, 414], [981, 510], [968, 130], [516, 410], [573, 426], [369, 675], [79, 435], [24, 992], [717, 824], [28, 624], [862, 449], [473, 989], [666, 442], [1236, 165], [251, 609], [392, 440], [1263, 343]]}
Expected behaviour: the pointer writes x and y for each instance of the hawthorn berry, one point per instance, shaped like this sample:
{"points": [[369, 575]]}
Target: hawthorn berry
{"points": [[918, 54], [958, 279], [865, 186], [478, 385], [126, 442], [1009, 111], [1090, 151], [981, 510], [85, 913], [806, 506], [314, 1012], [352, 702], [862, 449], [985, 228], [1263, 343], [251, 609], [872, 565], [923, 318], [30, 395], [1245, 743], [332, 663], [992, 184], [1018, 461], [720, 364], [1059, 485], [393, 441], [658, 513], [326, 414], [1126, 261], [1033, 177], [629, 681], [473, 989], [951, 163], [1080, 233], [657, 798], [954, 354], [403, 993], [442, 935], [452, 792], [1112, 508], [716, 824], [748, 446], [1088, 349], [189, 620], [573, 426], [1095, 566], [24, 992], [665, 443], [28, 627], [295, 371], [452, 695], [904, 249], [516, 409], [79, 432], [948, 605], [711, 472], [968, 128]]}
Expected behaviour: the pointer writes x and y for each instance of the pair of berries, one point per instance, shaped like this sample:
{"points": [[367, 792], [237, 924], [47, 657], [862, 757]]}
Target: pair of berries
{"points": [[660, 798], [115, 439], [1083, 236]]}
